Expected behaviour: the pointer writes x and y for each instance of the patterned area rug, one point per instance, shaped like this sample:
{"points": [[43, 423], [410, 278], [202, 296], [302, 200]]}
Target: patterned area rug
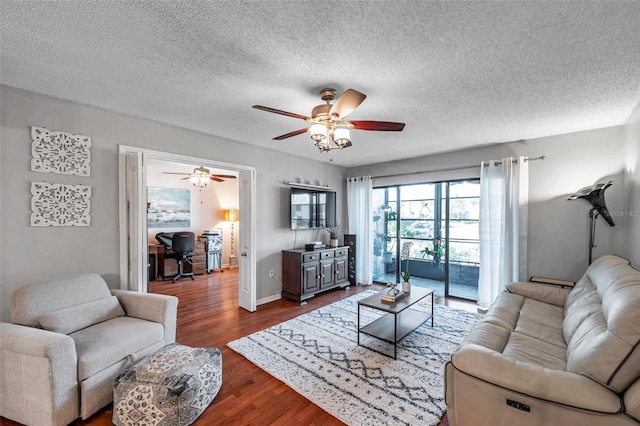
{"points": [[317, 355]]}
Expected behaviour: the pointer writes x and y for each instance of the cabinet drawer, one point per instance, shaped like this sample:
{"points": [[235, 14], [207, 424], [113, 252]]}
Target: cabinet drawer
{"points": [[196, 267], [198, 252], [341, 252], [198, 259], [310, 257], [326, 254]]}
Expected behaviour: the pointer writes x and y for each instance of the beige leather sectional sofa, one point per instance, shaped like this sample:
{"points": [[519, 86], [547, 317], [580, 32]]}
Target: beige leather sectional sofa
{"points": [[546, 355], [69, 340]]}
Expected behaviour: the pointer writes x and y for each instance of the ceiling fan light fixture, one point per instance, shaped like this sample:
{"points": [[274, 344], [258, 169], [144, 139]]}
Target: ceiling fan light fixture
{"points": [[341, 137], [200, 178], [329, 130], [318, 133]]}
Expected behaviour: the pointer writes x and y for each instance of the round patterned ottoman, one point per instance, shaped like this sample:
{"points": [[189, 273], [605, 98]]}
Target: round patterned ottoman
{"points": [[171, 387]]}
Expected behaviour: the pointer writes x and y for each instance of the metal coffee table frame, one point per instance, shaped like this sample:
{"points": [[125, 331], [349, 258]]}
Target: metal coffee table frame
{"points": [[399, 321]]}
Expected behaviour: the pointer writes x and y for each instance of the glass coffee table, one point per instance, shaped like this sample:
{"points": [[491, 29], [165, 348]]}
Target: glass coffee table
{"points": [[400, 318]]}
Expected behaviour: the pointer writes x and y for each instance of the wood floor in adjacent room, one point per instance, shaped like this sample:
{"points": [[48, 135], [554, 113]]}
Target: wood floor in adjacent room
{"points": [[208, 315]]}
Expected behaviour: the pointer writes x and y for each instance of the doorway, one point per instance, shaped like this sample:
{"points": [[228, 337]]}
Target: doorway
{"points": [[134, 234]]}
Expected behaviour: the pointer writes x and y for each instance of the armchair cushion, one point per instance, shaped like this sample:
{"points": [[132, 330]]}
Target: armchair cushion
{"points": [[72, 319], [106, 343]]}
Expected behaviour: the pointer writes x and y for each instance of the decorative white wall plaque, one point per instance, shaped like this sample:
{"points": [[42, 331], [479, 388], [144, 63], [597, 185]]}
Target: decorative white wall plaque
{"points": [[59, 152], [54, 204]]}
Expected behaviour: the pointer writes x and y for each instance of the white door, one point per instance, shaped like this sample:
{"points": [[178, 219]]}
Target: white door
{"points": [[135, 224], [247, 285]]}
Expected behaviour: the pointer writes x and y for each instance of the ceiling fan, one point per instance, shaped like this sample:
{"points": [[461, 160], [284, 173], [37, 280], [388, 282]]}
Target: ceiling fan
{"points": [[328, 123], [201, 176]]}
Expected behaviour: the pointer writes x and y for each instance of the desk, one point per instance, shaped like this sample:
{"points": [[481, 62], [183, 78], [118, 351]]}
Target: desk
{"points": [[197, 264], [159, 251]]}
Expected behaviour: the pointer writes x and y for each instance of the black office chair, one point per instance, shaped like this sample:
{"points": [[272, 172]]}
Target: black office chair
{"points": [[182, 244]]}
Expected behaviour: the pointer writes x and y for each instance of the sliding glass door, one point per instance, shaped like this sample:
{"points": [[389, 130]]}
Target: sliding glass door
{"points": [[431, 231]]}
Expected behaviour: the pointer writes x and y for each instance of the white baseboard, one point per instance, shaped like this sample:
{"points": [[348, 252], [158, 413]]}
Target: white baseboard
{"points": [[268, 299]]}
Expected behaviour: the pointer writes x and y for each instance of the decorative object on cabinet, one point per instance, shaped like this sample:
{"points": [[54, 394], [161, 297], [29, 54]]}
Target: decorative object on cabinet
{"points": [[333, 235], [59, 152], [54, 204], [307, 273], [168, 208], [350, 241]]}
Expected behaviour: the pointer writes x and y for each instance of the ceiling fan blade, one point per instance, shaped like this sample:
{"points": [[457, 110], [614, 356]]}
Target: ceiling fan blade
{"points": [[188, 177], [175, 173], [288, 135], [381, 126], [279, 111], [224, 176], [217, 179], [347, 102]]}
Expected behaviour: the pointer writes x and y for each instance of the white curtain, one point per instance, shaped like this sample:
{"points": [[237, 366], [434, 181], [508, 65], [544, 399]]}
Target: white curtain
{"points": [[360, 223], [504, 197]]}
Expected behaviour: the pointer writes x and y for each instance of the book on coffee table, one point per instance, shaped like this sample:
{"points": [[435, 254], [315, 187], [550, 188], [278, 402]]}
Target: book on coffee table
{"points": [[391, 298]]}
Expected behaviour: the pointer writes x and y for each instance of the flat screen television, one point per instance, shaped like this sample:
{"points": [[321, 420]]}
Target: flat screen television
{"points": [[312, 208]]}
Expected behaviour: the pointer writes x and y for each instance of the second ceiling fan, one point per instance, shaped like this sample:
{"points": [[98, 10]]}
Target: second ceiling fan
{"points": [[201, 176], [329, 130]]}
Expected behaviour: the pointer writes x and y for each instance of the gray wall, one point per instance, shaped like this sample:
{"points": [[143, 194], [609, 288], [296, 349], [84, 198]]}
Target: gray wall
{"points": [[34, 254], [632, 184], [558, 240], [557, 228]]}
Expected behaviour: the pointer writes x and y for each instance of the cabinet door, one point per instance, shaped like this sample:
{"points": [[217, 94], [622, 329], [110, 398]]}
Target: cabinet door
{"points": [[341, 268], [326, 274], [310, 277]]}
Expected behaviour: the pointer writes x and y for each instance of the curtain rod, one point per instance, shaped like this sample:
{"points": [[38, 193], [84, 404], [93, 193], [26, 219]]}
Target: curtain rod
{"points": [[515, 160], [448, 169]]}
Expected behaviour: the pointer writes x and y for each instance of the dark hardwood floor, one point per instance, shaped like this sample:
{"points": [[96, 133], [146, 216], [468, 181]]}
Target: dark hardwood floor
{"points": [[208, 315]]}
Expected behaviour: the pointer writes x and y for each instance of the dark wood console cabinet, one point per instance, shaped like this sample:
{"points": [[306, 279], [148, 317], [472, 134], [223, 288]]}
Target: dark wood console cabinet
{"points": [[306, 273]]}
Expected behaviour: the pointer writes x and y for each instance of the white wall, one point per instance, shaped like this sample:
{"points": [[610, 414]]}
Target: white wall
{"points": [[558, 229], [632, 184], [31, 254]]}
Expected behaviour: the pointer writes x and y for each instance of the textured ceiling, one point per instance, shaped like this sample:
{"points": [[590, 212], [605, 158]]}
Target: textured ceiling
{"points": [[458, 74]]}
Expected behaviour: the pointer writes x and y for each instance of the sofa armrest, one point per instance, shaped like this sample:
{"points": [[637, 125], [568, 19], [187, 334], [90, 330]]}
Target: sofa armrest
{"points": [[151, 307], [541, 292], [556, 386], [39, 380]]}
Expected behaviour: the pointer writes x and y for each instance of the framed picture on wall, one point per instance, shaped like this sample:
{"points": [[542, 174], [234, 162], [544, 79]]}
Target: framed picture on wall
{"points": [[168, 208]]}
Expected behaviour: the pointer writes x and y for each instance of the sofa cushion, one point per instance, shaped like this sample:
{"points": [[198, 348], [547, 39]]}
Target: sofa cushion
{"points": [[605, 344], [31, 301], [108, 342], [72, 319]]}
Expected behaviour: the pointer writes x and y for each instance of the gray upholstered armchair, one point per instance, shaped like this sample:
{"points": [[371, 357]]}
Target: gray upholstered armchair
{"points": [[69, 339]]}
